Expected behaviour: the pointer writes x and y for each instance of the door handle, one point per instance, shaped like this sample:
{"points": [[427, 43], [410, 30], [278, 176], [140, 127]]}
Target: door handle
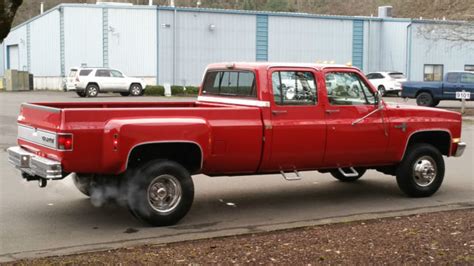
{"points": [[332, 111], [279, 112]]}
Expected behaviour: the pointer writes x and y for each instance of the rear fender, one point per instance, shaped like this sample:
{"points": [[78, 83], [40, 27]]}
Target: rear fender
{"points": [[121, 136]]}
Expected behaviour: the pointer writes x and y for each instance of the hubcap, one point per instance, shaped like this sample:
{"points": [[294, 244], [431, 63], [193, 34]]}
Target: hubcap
{"points": [[164, 193], [92, 91], [135, 90], [424, 171]]}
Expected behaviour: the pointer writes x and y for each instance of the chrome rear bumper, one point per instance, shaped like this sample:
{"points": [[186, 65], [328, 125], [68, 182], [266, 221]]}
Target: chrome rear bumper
{"points": [[460, 149], [33, 164]]}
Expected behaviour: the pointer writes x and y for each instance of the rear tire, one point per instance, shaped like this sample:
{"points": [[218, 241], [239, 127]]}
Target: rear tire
{"points": [[160, 192], [421, 172], [83, 183], [336, 174], [92, 90], [425, 99]]}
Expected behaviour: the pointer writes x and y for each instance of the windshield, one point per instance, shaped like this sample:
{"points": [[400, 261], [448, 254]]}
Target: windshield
{"points": [[397, 75]]}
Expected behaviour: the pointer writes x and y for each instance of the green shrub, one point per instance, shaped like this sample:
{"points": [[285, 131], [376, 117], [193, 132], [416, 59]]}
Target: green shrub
{"points": [[159, 90], [179, 90], [155, 90]]}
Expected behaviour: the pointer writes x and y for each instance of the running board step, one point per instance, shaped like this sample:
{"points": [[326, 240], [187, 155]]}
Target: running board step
{"points": [[291, 178], [353, 172]]}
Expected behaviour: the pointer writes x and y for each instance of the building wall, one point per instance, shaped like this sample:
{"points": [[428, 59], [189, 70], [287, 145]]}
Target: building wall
{"points": [[372, 46], [452, 55], [175, 46], [295, 39], [196, 43], [393, 40], [45, 45], [82, 37], [132, 41]]}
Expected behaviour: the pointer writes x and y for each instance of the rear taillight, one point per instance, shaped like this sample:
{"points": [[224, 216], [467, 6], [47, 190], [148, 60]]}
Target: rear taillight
{"points": [[77, 79], [65, 142]]}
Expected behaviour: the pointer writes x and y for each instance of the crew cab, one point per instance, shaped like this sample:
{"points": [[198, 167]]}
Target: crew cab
{"points": [[430, 93], [249, 119]]}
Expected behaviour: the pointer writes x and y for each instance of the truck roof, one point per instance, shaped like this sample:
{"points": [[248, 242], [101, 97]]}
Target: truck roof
{"points": [[267, 65]]}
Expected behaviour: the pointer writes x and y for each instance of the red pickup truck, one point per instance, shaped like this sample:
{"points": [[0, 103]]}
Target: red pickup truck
{"points": [[249, 118]]}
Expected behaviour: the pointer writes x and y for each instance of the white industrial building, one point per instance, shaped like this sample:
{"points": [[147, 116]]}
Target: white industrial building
{"points": [[174, 45]]}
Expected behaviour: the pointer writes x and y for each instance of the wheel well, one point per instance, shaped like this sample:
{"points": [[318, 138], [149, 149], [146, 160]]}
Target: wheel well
{"points": [[189, 155], [136, 83], [93, 83], [421, 91], [439, 139]]}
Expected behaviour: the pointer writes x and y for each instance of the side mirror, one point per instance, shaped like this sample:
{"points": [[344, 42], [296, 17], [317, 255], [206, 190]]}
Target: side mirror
{"points": [[378, 100]]}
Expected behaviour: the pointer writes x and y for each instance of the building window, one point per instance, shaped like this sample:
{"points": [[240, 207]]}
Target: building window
{"points": [[468, 67], [433, 73]]}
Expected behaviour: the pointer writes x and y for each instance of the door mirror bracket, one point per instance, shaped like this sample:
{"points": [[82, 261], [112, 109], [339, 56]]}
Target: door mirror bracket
{"points": [[379, 106]]}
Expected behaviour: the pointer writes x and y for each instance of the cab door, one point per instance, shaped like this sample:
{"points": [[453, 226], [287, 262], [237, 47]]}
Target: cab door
{"points": [[350, 140], [297, 121]]}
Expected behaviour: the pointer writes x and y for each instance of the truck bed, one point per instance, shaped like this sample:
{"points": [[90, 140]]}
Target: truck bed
{"points": [[236, 131]]}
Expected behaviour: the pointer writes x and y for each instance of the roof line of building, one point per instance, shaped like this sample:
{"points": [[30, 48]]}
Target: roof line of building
{"points": [[237, 12]]}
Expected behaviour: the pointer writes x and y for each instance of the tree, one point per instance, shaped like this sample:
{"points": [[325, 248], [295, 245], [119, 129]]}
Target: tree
{"points": [[249, 5], [457, 33], [276, 5], [8, 10]]}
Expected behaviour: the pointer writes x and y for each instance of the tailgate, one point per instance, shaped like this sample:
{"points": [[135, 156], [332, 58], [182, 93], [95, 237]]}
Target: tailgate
{"points": [[40, 116]]}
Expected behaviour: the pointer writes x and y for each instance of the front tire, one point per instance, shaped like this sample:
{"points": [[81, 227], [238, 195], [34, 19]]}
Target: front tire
{"points": [[161, 192], [336, 174], [136, 90], [425, 99], [421, 172]]}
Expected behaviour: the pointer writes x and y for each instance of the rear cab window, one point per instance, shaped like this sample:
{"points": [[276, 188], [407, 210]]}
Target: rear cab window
{"points": [[230, 83]]}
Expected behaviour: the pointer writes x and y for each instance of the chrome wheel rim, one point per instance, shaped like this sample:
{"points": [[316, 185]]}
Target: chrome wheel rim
{"points": [[424, 171], [135, 90], [164, 193]]}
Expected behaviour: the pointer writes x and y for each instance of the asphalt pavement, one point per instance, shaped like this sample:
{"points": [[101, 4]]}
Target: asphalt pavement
{"points": [[59, 220]]}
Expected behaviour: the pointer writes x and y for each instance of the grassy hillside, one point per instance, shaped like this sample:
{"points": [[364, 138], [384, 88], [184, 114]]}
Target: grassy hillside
{"points": [[451, 9]]}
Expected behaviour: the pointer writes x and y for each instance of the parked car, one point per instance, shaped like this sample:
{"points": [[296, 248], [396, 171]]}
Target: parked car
{"points": [[242, 123], [387, 82], [430, 93], [90, 81]]}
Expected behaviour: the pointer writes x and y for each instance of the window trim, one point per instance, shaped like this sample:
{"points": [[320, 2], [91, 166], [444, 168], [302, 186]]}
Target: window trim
{"points": [[254, 87], [442, 71]]}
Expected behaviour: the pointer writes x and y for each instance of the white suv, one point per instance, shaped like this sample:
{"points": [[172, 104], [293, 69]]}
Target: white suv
{"points": [[387, 82], [89, 82]]}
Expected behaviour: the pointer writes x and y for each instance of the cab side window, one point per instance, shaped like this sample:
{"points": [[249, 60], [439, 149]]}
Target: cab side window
{"points": [[294, 88], [346, 88], [102, 73]]}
